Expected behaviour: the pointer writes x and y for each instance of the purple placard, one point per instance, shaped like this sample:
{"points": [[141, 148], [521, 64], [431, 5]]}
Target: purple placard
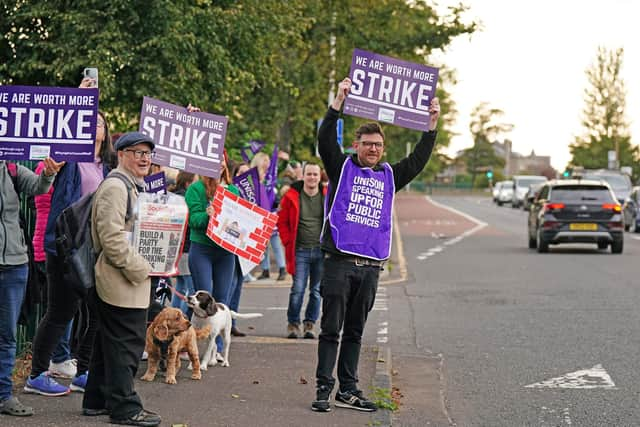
{"points": [[38, 122], [390, 90], [248, 184], [155, 183], [193, 142]]}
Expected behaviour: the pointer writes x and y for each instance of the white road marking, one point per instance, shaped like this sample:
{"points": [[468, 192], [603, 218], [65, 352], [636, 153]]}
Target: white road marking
{"points": [[479, 226], [595, 377], [382, 340], [383, 331]]}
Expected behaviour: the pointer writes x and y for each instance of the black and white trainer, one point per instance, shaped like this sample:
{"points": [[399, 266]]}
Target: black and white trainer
{"points": [[355, 400], [321, 404]]}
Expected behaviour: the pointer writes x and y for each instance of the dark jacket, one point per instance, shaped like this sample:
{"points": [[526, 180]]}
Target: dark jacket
{"points": [[288, 220], [66, 190], [333, 158]]}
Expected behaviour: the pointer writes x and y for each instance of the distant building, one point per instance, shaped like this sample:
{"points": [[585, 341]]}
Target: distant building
{"points": [[516, 163]]}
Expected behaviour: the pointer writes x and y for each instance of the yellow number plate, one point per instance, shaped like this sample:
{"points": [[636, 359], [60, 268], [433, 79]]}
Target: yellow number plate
{"points": [[583, 227]]}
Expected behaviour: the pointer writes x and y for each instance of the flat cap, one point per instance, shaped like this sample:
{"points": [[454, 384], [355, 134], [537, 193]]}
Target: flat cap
{"points": [[133, 138]]}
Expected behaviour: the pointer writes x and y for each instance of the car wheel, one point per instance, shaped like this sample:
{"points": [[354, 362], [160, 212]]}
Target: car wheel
{"points": [[543, 245], [602, 245], [499, 203], [617, 246]]}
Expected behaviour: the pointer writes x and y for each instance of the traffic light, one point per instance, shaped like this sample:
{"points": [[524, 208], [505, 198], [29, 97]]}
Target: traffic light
{"points": [[566, 174], [489, 174]]}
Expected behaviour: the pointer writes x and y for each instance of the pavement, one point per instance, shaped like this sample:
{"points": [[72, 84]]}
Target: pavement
{"points": [[271, 380]]}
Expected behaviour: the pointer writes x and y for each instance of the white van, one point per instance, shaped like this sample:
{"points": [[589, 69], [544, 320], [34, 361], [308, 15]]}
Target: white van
{"points": [[521, 184]]}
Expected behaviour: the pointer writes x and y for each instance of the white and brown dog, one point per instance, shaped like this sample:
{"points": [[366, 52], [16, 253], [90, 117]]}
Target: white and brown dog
{"points": [[206, 311]]}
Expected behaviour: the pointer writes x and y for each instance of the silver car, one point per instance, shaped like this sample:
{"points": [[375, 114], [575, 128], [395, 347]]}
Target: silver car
{"points": [[505, 194]]}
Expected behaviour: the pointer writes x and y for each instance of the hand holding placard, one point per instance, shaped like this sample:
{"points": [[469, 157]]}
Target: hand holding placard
{"points": [[51, 167], [434, 113], [343, 90]]}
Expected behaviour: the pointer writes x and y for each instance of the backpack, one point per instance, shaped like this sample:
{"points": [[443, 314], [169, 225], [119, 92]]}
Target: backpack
{"points": [[73, 239]]}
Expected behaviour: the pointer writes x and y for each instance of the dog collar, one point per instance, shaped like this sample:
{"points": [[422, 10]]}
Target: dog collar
{"points": [[161, 343]]}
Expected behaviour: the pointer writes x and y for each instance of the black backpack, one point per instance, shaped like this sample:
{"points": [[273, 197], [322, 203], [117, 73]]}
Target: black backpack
{"points": [[73, 239]]}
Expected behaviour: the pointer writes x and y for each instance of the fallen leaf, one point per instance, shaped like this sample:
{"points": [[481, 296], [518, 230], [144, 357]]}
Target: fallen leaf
{"points": [[251, 328], [256, 382], [302, 380], [235, 396]]}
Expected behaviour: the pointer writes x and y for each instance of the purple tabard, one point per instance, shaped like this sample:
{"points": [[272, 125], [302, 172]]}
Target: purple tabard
{"points": [[360, 216]]}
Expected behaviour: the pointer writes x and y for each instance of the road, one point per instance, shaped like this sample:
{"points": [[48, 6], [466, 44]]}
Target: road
{"points": [[497, 321]]}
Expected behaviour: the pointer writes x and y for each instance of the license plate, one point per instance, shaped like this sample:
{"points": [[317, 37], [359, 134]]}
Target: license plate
{"points": [[583, 227]]}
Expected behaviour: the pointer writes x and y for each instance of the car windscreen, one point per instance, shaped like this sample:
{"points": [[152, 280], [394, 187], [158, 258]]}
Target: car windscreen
{"points": [[526, 182], [617, 182], [581, 193]]}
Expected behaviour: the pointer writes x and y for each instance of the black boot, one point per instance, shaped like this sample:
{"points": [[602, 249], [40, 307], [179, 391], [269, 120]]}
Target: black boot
{"points": [[282, 275], [264, 275]]}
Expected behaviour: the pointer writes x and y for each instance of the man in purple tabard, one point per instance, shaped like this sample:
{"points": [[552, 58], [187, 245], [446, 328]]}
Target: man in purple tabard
{"points": [[356, 241]]}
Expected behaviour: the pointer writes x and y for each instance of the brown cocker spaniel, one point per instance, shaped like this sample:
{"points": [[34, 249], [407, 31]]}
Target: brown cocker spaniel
{"points": [[170, 331]]}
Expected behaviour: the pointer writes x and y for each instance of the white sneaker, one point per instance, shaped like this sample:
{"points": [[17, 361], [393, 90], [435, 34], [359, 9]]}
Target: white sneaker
{"points": [[66, 369]]}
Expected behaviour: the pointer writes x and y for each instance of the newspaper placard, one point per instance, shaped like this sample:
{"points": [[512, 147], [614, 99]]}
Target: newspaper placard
{"points": [[159, 231], [239, 226]]}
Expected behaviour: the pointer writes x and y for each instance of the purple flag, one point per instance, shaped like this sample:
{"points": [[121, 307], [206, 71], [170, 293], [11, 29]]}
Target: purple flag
{"points": [[37, 122], [249, 185], [155, 183], [193, 142], [271, 177], [390, 90], [253, 146]]}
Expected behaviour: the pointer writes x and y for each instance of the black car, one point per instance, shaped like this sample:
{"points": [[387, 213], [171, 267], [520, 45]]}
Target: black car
{"points": [[576, 211]]}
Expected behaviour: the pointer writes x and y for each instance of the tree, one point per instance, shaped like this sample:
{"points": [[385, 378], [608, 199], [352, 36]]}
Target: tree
{"points": [[485, 128], [603, 120], [265, 64]]}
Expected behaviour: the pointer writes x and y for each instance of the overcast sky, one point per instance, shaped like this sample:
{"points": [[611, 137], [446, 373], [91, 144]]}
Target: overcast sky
{"points": [[529, 60]]}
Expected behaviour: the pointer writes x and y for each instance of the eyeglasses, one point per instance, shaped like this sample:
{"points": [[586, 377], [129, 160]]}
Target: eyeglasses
{"points": [[139, 154], [372, 144]]}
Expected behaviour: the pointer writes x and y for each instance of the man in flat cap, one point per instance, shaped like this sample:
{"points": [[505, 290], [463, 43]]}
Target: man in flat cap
{"points": [[121, 295]]}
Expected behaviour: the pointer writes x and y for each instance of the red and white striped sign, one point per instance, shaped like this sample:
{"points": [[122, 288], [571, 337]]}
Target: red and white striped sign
{"points": [[239, 226]]}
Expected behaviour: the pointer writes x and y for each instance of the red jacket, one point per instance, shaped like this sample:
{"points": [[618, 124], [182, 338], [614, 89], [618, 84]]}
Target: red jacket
{"points": [[288, 219]]}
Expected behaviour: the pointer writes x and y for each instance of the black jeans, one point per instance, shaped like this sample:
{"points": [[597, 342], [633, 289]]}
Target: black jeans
{"points": [[348, 293], [63, 304], [118, 347]]}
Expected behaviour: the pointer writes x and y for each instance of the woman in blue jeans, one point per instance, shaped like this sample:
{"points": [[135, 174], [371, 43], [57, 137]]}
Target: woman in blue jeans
{"points": [[14, 268], [212, 267]]}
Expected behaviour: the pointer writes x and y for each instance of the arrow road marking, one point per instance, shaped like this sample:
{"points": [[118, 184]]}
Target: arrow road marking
{"points": [[595, 377]]}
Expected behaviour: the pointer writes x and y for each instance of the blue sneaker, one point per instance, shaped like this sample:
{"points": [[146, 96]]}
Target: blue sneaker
{"points": [[45, 385], [79, 383]]}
